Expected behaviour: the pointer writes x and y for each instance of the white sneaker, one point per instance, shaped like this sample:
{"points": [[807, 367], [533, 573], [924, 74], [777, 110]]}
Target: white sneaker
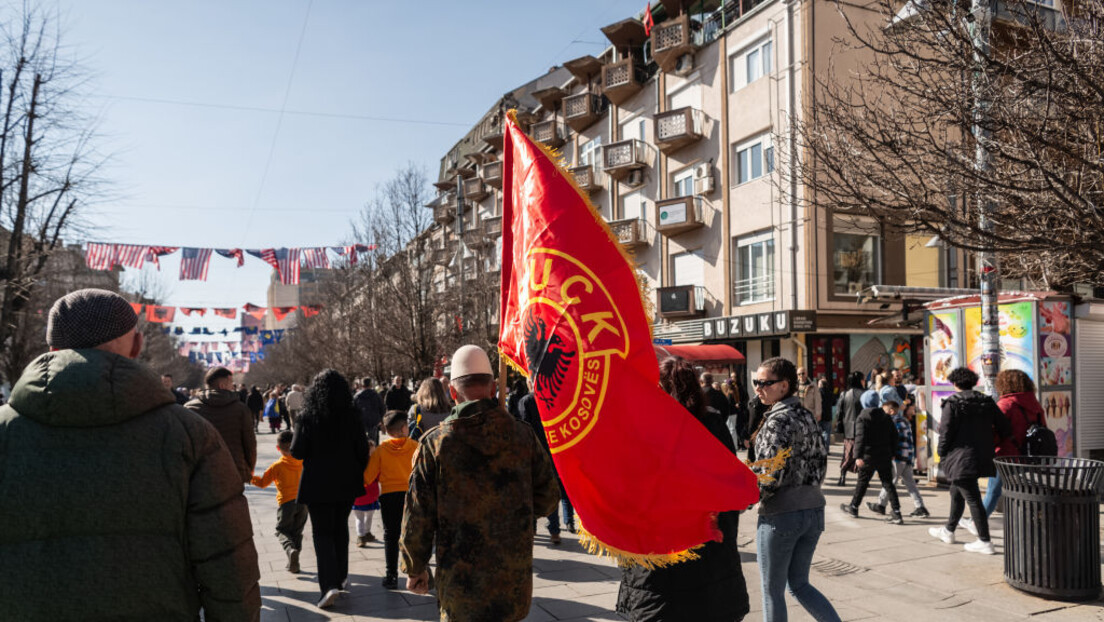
{"points": [[980, 546], [968, 523], [328, 599], [942, 533]]}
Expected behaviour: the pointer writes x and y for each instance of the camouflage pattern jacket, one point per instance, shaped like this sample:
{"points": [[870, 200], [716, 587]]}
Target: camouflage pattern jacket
{"points": [[480, 480]]}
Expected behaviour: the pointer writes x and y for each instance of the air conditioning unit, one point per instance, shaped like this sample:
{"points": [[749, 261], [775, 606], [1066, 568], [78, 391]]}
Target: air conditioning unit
{"points": [[635, 178], [684, 65], [703, 179]]}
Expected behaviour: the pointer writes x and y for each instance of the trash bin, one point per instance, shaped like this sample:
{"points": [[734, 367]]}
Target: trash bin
{"points": [[1052, 525]]}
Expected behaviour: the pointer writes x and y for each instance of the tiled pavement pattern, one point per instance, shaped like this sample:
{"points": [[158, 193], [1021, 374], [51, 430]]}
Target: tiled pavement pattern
{"points": [[868, 569]]}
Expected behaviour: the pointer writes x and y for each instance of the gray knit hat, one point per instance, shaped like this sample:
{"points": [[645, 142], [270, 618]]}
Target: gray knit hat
{"points": [[87, 318]]}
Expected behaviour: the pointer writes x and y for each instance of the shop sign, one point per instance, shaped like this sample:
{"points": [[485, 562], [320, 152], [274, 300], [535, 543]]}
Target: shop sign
{"points": [[759, 325]]}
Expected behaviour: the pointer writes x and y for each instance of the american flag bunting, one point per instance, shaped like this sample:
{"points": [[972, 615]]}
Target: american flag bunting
{"points": [[194, 263]]}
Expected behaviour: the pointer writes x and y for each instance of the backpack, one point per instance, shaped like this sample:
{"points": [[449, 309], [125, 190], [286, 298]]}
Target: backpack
{"points": [[1040, 441]]}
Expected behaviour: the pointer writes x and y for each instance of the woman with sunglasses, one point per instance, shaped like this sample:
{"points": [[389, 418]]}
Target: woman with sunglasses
{"points": [[791, 509]]}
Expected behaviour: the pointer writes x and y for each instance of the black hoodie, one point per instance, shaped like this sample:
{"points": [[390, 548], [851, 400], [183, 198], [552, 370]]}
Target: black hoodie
{"points": [[966, 435]]}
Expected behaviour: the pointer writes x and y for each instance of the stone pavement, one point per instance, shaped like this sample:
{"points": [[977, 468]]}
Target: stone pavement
{"points": [[868, 569]]}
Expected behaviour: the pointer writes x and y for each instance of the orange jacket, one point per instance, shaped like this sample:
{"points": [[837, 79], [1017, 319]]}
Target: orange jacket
{"points": [[285, 472], [392, 463]]}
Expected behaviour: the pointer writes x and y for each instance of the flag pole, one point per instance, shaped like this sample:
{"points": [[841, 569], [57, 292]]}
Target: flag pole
{"points": [[501, 380]]}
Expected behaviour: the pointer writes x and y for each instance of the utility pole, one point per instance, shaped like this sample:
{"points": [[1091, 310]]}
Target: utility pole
{"points": [[988, 262]]}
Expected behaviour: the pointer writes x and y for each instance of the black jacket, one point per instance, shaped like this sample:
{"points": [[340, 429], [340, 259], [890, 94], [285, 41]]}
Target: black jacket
{"points": [[398, 398], [369, 406], [334, 455], [702, 590], [966, 435], [875, 436], [527, 412], [717, 401], [849, 409]]}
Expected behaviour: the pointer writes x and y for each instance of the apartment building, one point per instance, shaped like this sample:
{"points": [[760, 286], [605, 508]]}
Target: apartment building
{"points": [[681, 137]]}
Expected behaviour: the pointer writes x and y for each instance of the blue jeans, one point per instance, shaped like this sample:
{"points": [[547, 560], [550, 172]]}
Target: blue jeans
{"points": [[568, 513], [786, 543], [992, 495], [826, 432]]}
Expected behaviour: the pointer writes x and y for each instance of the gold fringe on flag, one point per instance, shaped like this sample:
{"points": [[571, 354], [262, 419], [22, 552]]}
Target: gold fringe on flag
{"points": [[651, 561]]}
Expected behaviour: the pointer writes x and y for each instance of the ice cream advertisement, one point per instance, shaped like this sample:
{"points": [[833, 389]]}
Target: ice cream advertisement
{"points": [[1055, 344], [945, 335], [1017, 337], [1058, 407]]}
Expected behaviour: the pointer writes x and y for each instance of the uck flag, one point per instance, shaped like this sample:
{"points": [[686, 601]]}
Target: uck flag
{"points": [[646, 478]]}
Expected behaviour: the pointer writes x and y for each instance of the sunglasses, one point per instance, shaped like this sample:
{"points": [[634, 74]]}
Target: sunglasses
{"points": [[763, 383]]}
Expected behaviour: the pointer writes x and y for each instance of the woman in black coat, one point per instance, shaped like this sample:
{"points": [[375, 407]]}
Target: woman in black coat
{"points": [[966, 449], [330, 441], [710, 588]]}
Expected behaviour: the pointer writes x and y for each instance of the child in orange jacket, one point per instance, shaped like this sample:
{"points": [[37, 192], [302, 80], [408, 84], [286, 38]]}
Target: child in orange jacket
{"points": [[392, 463], [291, 517]]}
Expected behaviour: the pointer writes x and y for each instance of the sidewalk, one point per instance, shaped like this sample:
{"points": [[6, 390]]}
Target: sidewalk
{"points": [[868, 569]]}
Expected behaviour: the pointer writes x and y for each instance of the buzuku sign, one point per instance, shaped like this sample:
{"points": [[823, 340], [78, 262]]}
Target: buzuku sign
{"points": [[759, 325]]}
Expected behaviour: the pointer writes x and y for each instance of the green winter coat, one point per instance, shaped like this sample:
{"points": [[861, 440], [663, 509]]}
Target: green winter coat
{"points": [[115, 502]]}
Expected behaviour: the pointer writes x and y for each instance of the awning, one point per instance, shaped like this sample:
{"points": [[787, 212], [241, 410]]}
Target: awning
{"points": [[710, 353]]}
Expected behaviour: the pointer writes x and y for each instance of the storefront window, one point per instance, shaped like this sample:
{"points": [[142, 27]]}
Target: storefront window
{"points": [[856, 254]]}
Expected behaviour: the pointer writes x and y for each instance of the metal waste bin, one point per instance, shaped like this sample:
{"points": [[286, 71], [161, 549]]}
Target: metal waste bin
{"points": [[1052, 525]]}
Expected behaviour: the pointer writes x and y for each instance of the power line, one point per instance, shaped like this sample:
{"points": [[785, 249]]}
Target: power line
{"points": [[215, 208], [304, 113]]}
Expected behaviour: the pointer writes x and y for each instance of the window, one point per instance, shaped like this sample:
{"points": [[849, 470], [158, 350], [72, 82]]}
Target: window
{"points": [[856, 254], [590, 152], [752, 63], [754, 159], [683, 183], [687, 269], [755, 268]]}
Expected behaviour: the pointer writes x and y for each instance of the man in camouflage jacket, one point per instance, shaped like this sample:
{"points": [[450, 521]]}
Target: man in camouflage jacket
{"points": [[480, 480]]}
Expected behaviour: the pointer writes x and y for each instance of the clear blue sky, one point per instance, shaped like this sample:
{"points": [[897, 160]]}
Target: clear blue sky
{"points": [[231, 171]]}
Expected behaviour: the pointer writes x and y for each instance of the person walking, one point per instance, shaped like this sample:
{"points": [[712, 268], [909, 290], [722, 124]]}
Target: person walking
{"points": [[431, 406], [711, 587], [398, 396], [791, 509], [969, 423], [291, 516], [1022, 409], [256, 404], [331, 443], [220, 406], [850, 405], [875, 442], [390, 464], [369, 408], [117, 502], [479, 520], [902, 462], [294, 402]]}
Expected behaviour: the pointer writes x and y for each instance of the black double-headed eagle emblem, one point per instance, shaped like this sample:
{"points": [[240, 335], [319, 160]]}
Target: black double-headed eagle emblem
{"points": [[548, 356]]}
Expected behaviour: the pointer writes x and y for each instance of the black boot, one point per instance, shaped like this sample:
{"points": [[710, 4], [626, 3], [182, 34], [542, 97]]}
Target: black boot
{"points": [[841, 481]]}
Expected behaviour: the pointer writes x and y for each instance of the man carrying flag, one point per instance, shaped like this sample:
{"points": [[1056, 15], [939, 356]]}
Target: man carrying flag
{"points": [[573, 321]]}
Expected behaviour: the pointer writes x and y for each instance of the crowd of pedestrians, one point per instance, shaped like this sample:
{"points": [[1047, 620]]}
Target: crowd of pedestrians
{"points": [[444, 465]]}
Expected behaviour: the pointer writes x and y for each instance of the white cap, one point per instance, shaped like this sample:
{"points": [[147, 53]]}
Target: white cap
{"points": [[470, 360]]}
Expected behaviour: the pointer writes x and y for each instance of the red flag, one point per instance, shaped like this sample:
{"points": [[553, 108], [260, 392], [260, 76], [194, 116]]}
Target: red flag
{"points": [[137, 308], [188, 311], [311, 310], [255, 311], [573, 320], [159, 315], [282, 312], [649, 22], [230, 314]]}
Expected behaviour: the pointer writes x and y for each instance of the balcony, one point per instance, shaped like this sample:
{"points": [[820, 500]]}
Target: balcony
{"points": [[582, 110], [492, 227], [623, 79], [444, 212], [754, 289], [673, 39], [474, 238], [494, 138], [586, 178], [475, 190], [621, 158], [680, 301], [677, 128], [492, 174], [551, 133], [678, 215], [631, 232]]}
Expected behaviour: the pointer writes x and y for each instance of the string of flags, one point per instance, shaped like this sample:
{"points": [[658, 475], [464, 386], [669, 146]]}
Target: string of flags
{"points": [[162, 315], [195, 261]]}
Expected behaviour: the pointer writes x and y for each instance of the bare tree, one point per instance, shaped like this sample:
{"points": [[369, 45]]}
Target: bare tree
{"points": [[892, 135], [48, 167]]}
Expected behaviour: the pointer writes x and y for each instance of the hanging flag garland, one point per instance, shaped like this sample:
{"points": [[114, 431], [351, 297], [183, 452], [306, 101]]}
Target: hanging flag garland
{"points": [[162, 315], [195, 261]]}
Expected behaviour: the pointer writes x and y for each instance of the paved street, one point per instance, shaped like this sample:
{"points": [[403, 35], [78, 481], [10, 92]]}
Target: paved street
{"points": [[868, 569]]}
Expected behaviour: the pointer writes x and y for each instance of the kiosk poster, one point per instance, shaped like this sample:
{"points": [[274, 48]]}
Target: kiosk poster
{"points": [[935, 415], [1055, 344], [945, 336], [1058, 407], [1017, 337]]}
